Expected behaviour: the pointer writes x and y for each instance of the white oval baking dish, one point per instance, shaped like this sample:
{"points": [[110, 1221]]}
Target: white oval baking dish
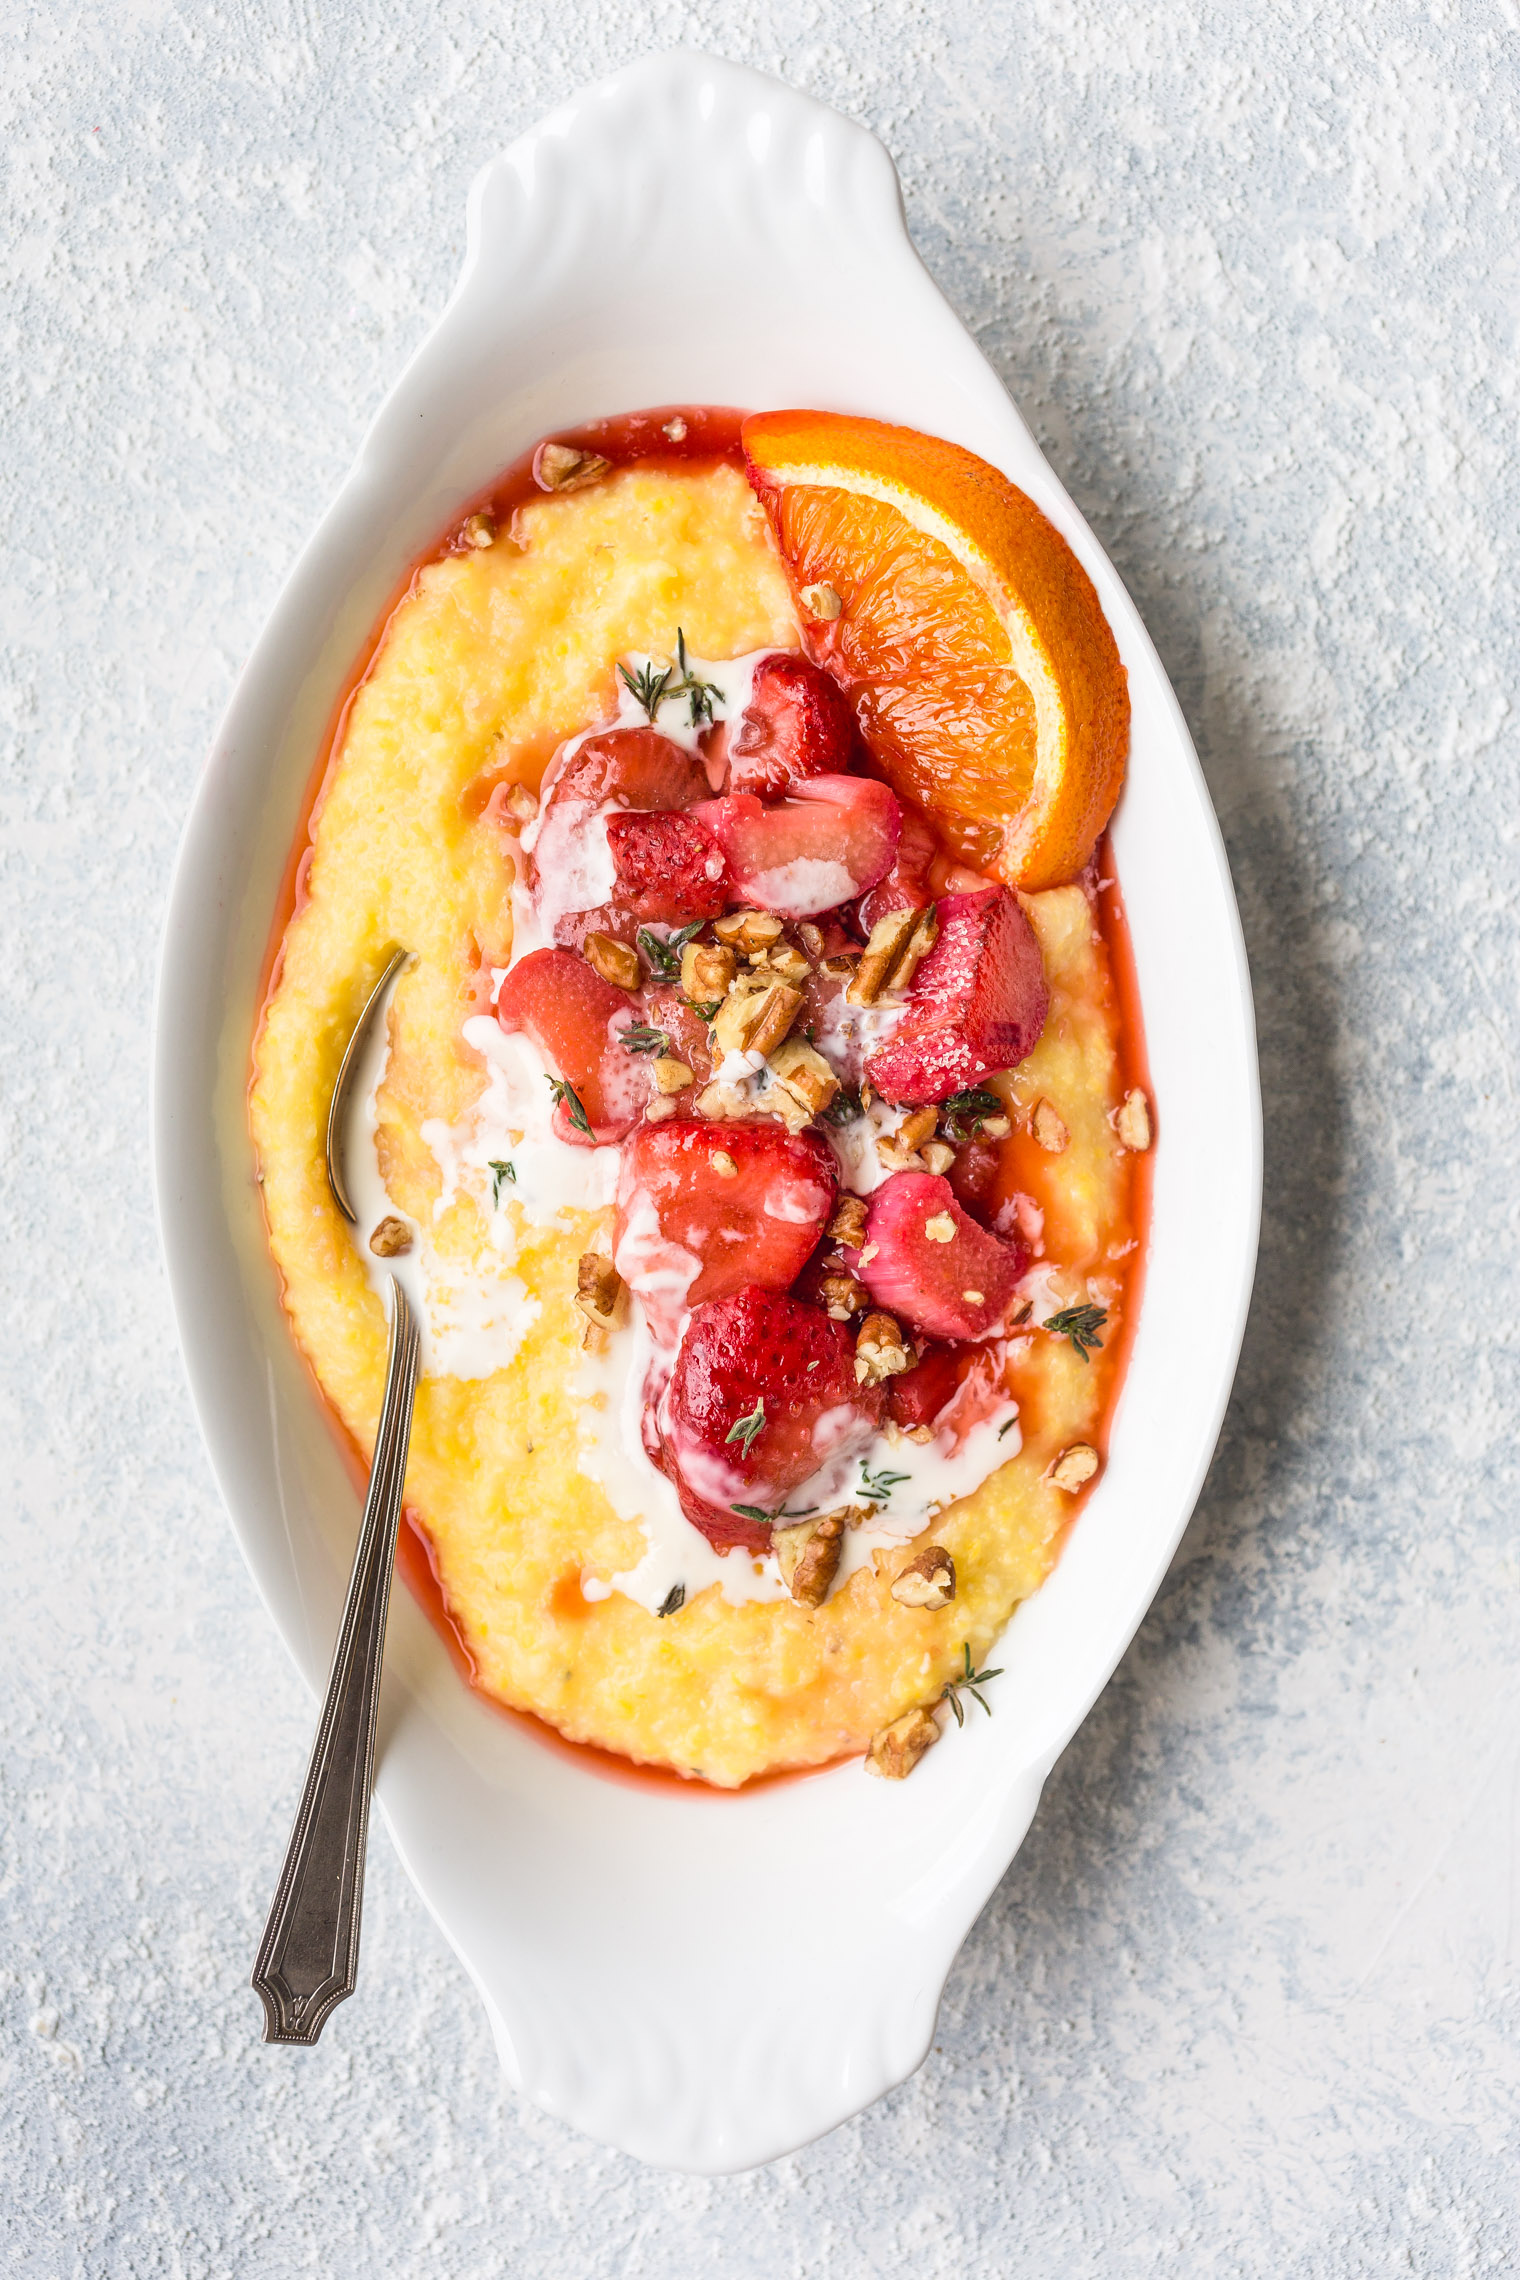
{"points": [[635, 1947]]}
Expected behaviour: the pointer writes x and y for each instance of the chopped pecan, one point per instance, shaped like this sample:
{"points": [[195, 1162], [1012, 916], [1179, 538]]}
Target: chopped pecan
{"points": [[756, 1020], [675, 429], [896, 1750], [914, 1130], [848, 1225], [707, 969], [938, 1156], [811, 938], [1074, 1467], [800, 1070], [928, 1580], [881, 1351], [520, 803], [723, 1164], [894, 1157], [1132, 1121], [843, 1296], [808, 1556], [841, 966], [564, 467], [748, 929], [391, 1238], [941, 1228], [598, 1289], [657, 1108], [614, 961], [783, 962], [719, 1101], [479, 530], [670, 1075], [891, 957], [1049, 1131], [820, 602], [995, 1127]]}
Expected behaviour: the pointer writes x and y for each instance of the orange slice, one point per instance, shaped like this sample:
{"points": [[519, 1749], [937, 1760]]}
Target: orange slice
{"points": [[982, 669]]}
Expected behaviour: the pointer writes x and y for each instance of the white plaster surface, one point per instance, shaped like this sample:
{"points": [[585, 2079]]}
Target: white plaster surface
{"points": [[1248, 2001]]}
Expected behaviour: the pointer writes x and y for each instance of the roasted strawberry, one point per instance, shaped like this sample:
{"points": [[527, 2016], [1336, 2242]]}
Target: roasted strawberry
{"points": [[736, 1202], [631, 768], [926, 1261], [831, 839], [576, 1020], [797, 723], [572, 872], [763, 1394], [974, 1177], [977, 1003], [950, 1388], [666, 868], [907, 886]]}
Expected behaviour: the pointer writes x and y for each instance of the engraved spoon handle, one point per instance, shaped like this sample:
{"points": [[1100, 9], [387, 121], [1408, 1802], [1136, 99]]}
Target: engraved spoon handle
{"points": [[309, 1955]]}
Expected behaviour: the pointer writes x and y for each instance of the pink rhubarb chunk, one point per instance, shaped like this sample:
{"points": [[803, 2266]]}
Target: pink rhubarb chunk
{"points": [[929, 1263], [977, 1004]]}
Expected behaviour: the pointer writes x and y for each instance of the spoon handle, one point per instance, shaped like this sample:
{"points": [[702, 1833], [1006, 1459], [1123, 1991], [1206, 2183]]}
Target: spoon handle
{"points": [[309, 1956]]}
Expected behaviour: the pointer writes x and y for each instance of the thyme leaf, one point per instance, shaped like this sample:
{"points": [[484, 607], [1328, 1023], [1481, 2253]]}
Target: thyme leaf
{"points": [[702, 695], [1008, 1428], [746, 1428], [647, 687], [878, 1486], [665, 957], [1079, 1325], [673, 1601], [969, 1679], [965, 1112], [759, 1512], [845, 1106], [500, 1172], [572, 1100], [638, 1037], [706, 1007]]}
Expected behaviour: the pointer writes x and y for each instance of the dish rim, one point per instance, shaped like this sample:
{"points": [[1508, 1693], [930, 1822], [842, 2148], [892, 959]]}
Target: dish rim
{"points": [[629, 142]]}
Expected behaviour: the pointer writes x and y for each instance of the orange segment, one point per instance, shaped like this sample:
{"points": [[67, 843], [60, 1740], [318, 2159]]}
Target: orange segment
{"points": [[982, 669]]}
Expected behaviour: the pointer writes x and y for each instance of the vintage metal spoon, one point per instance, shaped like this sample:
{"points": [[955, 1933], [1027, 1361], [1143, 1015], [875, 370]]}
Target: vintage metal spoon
{"points": [[308, 1959]]}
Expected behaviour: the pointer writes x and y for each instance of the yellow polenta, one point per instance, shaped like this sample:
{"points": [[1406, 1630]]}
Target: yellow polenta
{"points": [[493, 658]]}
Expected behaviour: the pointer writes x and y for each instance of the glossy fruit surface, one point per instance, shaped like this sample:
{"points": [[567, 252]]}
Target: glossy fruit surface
{"points": [[976, 1005], [576, 1021], [745, 1201], [826, 843], [929, 1263], [667, 868], [762, 1395], [797, 723], [970, 640]]}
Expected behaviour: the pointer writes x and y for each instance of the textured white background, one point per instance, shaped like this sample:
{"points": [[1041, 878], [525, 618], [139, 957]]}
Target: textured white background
{"points": [[1247, 2002]]}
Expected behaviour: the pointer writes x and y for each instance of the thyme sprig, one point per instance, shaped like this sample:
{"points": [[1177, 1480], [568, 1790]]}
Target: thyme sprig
{"points": [[665, 957], [965, 1112], [673, 1601], [647, 687], [639, 1037], [1079, 1325], [501, 1174], [759, 1512], [574, 1109], [969, 1679], [702, 695], [746, 1428]]}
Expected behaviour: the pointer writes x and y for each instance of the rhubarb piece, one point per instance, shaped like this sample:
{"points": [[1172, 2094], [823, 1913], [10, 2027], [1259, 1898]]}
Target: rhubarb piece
{"points": [[745, 1201], [576, 1019], [797, 723], [977, 1003], [762, 1395], [830, 840], [666, 869], [927, 1262]]}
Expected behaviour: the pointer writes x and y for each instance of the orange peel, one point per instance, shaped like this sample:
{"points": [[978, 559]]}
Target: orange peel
{"points": [[984, 675]]}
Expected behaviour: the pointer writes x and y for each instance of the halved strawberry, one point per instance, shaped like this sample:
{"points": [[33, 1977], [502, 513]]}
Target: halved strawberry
{"points": [[950, 1388], [745, 1202], [633, 767], [576, 1020], [572, 872], [763, 1394], [666, 868], [797, 723], [977, 1003], [830, 840], [927, 1261]]}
